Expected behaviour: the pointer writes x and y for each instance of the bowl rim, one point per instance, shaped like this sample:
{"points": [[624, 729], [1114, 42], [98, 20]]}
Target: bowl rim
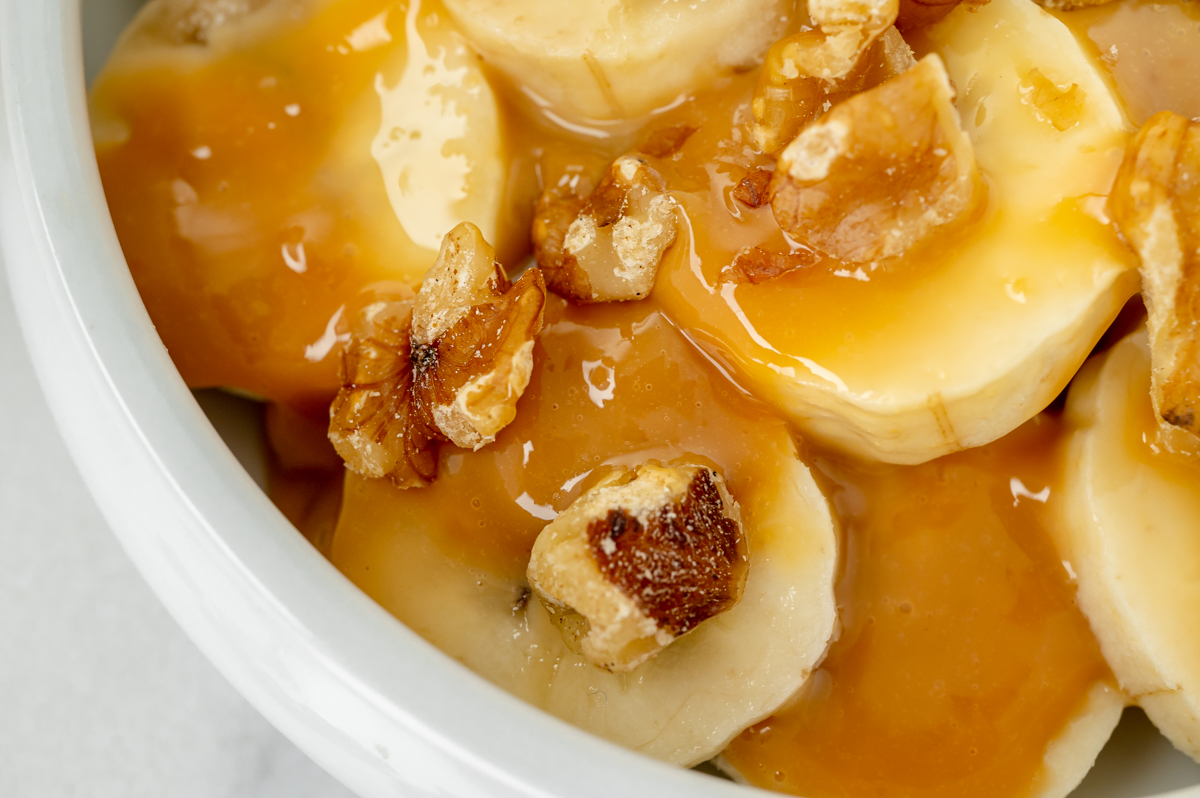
{"points": [[368, 699]]}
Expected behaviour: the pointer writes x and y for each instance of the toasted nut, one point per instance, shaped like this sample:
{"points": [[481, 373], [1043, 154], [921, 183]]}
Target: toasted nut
{"points": [[1156, 203], [372, 423], [447, 365], [666, 141], [879, 172], [607, 247], [643, 557], [473, 334], [751, 191], [758, 265], [1070, 5], [852, 47], [919, 13]]}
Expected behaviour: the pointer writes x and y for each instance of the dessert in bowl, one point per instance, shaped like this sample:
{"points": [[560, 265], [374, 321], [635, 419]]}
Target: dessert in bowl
{"points": [[750, 462]]}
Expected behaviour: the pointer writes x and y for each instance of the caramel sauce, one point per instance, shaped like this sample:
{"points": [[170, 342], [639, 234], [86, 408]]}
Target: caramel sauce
{"points": [[873, 329], [613, 384], [244, 181], [1149, 49], [962, 654]]}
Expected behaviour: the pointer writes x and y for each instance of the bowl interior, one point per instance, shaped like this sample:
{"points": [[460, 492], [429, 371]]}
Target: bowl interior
{"points": [[1137, 761]]}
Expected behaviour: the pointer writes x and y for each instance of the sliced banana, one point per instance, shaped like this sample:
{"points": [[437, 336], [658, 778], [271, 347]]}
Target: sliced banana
{"points": [[615, 386], [270, 158], [1130, 536], [590, 60], [1069, 756], [973, 332]]}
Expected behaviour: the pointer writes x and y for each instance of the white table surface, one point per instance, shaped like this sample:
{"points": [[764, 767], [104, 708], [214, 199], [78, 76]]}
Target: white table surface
{"points": [[101, 694]]}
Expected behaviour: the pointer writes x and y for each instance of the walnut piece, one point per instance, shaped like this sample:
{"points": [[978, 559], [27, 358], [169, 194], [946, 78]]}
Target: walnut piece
{"points": [[758, 265], [643, 557], [447, 365], [751, 190], [879, 172], [852, 47], [666, 141], [606, 247], [1156, 203], [919, 13], [1071, 5], [472, 337], [373, 422], [1061, 106]]}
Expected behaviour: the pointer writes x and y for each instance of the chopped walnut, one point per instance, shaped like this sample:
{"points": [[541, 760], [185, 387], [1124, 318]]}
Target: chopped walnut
{"points": [[643, 557], [852, 47], [1156, 203], [758, 265], [919, 13], [751, 191], [373, 423], [666, 141], [448, 365], [1071, 5], [1058, 105], [879, 172], [606, 247], [473, 333]]}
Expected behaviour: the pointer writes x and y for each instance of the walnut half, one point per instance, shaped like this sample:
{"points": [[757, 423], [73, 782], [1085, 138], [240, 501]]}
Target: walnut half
{"points": [[1156, 203], [448, 365], [879, 172], [643, 557], [606, 247]]}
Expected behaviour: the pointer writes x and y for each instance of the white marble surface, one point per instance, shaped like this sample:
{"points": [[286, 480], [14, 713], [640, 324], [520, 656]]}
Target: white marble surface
{"points": [[101, 694]]}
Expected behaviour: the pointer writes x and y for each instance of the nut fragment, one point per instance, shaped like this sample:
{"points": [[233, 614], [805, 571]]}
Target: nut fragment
{"points": [[751, 191], [373, 422], [1070, 5], [759, 265], [879, 172], [1156, 203], [448, 365], [473, 335], [643, 557], [606, 247], [666, 141], [852, 47], [1061, 106], [919, 13]]}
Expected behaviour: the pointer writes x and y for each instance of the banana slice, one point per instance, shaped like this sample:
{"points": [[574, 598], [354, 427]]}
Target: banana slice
{"points": [[266, 159], [963, 666], [969, 333], [1130, 536], [613, 386], [619, 59]]}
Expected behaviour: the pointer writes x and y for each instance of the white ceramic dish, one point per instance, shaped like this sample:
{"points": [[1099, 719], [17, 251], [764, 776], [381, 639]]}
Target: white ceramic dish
{"points": [[366, 698]]}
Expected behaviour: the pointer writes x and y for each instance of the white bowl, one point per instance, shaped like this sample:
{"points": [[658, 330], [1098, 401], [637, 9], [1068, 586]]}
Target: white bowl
{"points": [[365, 697]]}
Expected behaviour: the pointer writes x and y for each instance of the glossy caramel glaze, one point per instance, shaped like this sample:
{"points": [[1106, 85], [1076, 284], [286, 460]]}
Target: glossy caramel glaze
{"points": [[612, 384], [962, 654], [252, 214], [254, 188], [1149, 49]]}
